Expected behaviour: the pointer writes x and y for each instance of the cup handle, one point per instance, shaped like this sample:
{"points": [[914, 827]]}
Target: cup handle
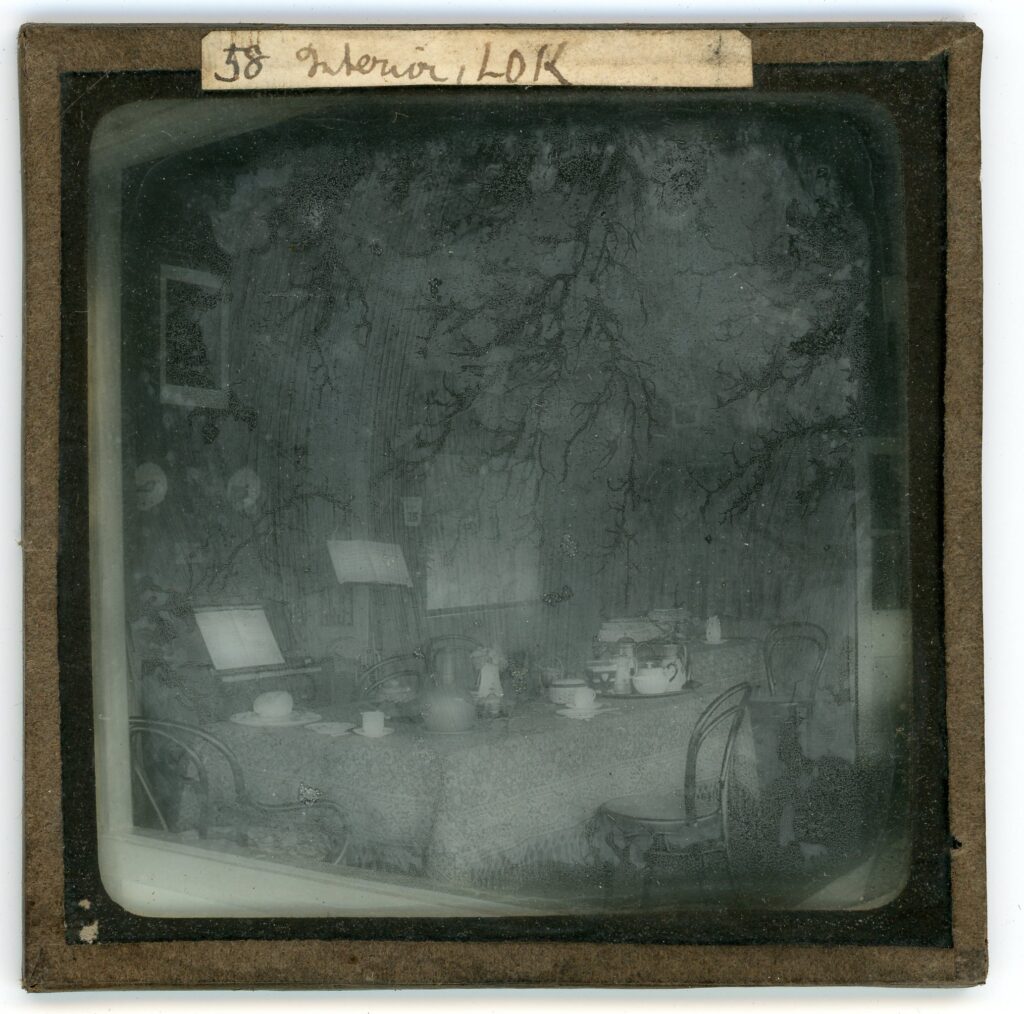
{"points": [[674, 666]]}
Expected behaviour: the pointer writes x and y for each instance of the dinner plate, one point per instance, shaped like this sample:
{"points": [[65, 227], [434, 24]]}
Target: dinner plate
{"points": [[331, 728], [387, 732], [261, 721]]}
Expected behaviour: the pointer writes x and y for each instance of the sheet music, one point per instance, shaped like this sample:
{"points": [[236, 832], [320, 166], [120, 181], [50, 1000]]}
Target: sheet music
{"points": [[238, 638], [357, 561]]}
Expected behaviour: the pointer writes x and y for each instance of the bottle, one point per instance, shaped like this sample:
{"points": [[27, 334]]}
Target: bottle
{"points": [[625, 665]]}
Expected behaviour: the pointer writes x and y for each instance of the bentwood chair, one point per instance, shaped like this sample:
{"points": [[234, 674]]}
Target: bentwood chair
{"points": [[188, 779], [803, 648], [400, 678], [393, 680], [794, 657], [646, 826]]}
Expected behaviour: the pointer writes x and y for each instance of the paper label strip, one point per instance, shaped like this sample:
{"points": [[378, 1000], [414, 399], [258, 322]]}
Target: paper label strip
{"points": [[536, 57]]}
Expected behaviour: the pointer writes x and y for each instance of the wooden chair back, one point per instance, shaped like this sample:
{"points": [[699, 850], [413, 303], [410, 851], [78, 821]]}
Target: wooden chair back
{"points": [[409, 666], [188, 742], [725, 712], [794, 634], [195, 750]]}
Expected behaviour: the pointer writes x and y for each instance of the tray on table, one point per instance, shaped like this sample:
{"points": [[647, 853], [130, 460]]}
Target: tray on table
{"points": [[634, 695]]}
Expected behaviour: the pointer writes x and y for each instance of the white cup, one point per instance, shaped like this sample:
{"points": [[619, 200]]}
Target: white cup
{"points": [[584, 698], [373, 723]]}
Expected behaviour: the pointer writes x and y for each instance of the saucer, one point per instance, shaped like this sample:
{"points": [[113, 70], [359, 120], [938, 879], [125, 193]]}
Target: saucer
{"points": [[295, 718], [581, 712], [387, 732], [331, 728]]}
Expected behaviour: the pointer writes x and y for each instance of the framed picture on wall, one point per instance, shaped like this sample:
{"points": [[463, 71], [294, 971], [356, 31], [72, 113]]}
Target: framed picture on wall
{"points": [[626, 390], [482, 541], [194, 367]]}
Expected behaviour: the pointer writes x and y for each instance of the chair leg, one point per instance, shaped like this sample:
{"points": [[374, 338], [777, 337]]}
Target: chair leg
{"points": [[658, 847], [144, 782], [336, 861], [625, 871], [645, 885], [725, 864]]}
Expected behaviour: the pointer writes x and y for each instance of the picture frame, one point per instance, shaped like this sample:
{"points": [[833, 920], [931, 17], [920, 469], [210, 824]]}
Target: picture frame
{"points": [[194, 366], [77, 936]]}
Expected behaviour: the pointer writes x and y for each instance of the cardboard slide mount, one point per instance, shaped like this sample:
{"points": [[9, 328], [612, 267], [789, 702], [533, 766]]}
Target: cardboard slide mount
{"points": [[90, 68]]}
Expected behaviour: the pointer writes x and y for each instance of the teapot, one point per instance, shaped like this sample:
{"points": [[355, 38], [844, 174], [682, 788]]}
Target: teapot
{"points": [[445, 709], [655, 679], [447, 712]]}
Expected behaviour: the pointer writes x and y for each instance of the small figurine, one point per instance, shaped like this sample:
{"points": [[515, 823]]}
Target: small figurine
{"points": [[489, 662]]}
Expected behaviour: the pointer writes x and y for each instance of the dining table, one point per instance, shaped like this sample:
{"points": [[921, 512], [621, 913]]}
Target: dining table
{"points": [[513, 794]]}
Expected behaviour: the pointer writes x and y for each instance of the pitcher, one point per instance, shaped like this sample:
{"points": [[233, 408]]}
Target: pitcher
{"points": [[676, 661]]}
